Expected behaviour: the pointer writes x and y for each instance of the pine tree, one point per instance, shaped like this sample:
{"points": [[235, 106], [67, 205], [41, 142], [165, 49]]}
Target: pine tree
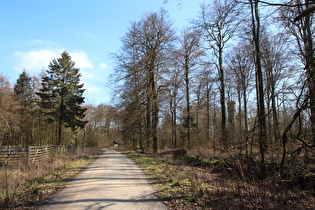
{"points": [[25, 96], [24, 90], [62, 94]]}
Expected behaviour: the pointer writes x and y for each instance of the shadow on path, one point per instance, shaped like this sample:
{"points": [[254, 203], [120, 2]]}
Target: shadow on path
{"points": [[113, 181]]}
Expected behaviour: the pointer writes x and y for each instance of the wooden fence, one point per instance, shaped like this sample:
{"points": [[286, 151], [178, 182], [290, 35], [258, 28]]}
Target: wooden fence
{"points": [[11, 154]]}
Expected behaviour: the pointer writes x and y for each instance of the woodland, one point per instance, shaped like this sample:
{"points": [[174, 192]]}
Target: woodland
{"points": [[239, 81]]}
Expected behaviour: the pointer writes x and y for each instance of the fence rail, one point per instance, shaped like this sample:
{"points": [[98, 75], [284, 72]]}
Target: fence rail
{"points": [[11, 154]]}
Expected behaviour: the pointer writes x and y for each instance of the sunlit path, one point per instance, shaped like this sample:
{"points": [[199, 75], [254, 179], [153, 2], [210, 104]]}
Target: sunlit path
{"points": [[113, 181]]}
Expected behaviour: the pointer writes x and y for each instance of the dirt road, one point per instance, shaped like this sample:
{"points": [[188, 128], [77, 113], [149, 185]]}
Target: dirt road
{"points": [[113, 181]]}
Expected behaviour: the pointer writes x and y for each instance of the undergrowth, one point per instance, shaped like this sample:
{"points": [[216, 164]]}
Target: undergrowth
{"points": [[230, 182], [27, 185]]}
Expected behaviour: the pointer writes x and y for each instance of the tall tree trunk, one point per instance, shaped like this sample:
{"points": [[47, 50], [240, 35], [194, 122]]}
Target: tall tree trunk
{"points": [[239, 101], [141, 137], [259, 83], [310, 65], [214, 123], [269, 119], [173, 130], [208, 116], [222, 99], [155, 115], [148, 121], [276, 129], [174, 116], [246, 123], [231, 121], [188, 105]]}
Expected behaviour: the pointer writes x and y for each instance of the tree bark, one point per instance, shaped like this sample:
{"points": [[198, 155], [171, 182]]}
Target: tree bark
{"points": [[155, 114], [188, 104], [208, 116], [222, 98], [259, 82], [310, 66]]}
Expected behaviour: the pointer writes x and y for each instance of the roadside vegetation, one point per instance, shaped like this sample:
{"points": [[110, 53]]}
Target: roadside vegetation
{"points": [[223, 181], [26, 185], [238, 82]]}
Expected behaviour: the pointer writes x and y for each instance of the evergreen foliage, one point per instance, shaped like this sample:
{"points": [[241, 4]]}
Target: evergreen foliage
{"points": [[62, 94], [24, 92], [24, 89]]}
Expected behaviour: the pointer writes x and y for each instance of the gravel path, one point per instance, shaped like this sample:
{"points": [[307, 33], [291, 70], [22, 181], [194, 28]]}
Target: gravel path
{"points": [[113, 181]]}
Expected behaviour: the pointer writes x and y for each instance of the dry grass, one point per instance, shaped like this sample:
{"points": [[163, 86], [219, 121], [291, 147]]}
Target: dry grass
{"points": [[195, 183], [223, 191], [23, 185]]}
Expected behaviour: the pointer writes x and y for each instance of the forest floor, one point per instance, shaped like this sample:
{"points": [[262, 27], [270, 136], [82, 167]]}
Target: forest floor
{"points": [[189, 182], [194, 183]]}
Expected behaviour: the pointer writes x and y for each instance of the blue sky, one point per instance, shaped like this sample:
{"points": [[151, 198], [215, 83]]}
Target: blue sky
{"points": [[33, 32]]}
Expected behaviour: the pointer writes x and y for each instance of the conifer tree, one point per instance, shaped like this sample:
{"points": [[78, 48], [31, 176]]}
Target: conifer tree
{"points": [[25, 96], [24, 89], [62, 94]]}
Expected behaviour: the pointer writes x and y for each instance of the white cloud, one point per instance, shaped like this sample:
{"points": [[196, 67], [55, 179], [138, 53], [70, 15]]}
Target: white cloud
{"points": [[88, 74], [81, 59], [91, 88], [37, 60], [103, 65]]}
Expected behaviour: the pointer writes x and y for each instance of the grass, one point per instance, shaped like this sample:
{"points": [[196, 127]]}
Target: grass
{"points": [[178, 189], [29, 185], [196, 183], [193, 182]]}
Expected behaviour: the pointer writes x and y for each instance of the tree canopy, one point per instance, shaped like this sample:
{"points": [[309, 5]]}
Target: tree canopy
{"points": [[62, 94]]}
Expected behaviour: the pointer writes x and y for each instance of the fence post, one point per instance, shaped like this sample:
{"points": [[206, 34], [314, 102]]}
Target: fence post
{"points": [[27, 153]]}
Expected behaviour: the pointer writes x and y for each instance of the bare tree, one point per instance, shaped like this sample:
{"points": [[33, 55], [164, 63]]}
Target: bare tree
{"points": [[302, 29], [203, 88], [275, 58], [174, 84], [9, 119], [189, 55], [208, 83], [241, 68], [255, 16], [130, 79], [218, 23], [149, 40]]}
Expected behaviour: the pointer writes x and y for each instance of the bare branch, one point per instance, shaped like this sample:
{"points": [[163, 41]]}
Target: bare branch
{"points": [[304, 13]]}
